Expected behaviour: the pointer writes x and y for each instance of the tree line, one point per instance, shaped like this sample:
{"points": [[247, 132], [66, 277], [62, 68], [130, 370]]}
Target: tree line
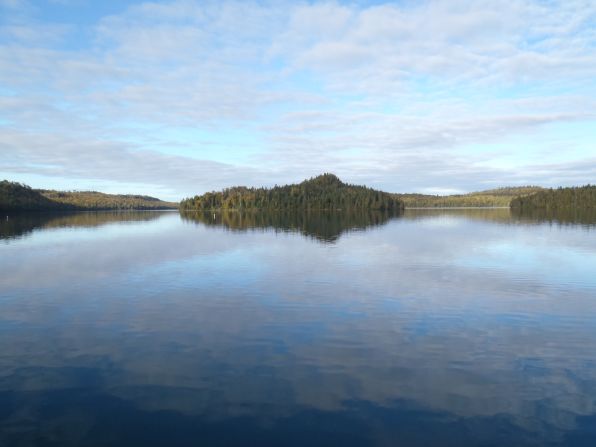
{"points": [[488, 198], [581, 197], [324, 192]]}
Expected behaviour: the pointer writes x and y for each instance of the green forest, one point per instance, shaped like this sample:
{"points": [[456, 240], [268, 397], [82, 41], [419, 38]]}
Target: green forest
{"points": [[19, 197], [560, 199], [16, 196], [325, 192], [488, 198]]}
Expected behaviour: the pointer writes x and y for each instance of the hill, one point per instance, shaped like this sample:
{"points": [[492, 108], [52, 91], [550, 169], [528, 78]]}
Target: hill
{"points": [[488, 198], [18, 197], [560, 199], [325, 192], [93, 200]]}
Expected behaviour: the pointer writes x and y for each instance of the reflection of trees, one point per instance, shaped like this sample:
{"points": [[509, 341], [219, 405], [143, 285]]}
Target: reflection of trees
{"points": [[23, 223], [328, 226], [325, 226], [582, 216], [578, 216]]}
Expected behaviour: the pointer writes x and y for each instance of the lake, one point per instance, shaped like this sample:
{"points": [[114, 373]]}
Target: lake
{"points": [[469, 327]]}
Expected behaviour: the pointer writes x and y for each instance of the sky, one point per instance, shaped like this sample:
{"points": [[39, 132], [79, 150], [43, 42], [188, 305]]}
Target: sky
{"points": [[176, 98]]}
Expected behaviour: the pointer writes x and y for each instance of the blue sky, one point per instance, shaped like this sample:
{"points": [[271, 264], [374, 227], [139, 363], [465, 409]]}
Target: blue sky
{"points": [[175, 98]]}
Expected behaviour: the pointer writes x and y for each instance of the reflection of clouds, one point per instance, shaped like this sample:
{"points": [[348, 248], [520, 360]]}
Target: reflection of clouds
{"points": [[204, 321], [441, 222]]}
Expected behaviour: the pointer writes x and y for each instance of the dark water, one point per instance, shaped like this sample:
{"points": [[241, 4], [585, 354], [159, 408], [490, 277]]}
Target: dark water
{"points": [[434, 328]]}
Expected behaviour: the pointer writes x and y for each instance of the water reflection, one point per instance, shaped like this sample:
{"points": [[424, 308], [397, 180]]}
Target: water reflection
{"points": [[435, 328], [325, 226], [322, 226], [578, 216], [21, 224], [329, 226], [584, 217], [496, 215]]}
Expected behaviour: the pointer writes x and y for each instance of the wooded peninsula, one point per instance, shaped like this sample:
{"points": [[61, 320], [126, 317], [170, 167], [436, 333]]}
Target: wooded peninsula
{"points": [[560, 199], [18, 197], [500, 197]]}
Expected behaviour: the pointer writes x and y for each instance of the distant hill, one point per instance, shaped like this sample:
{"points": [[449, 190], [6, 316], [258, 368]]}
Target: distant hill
{"points": [[560, 199], [18, 197], [325, 192], [488, 198], [93, 200]]}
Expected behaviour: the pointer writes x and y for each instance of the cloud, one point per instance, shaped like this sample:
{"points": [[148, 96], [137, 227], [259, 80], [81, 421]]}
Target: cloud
{"points": [[80, 158], [12, 4], [391, 94]]}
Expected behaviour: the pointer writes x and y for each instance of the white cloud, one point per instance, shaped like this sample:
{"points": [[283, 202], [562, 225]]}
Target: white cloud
{"points": [[388, 94]]}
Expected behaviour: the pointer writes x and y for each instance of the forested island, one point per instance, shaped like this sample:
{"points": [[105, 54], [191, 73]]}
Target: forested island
{"points": [[324, 192], [560, 199], [19, 197]]}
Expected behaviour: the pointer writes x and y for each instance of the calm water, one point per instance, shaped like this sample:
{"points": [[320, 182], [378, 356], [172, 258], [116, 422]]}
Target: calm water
{"points": [[434, 328]]}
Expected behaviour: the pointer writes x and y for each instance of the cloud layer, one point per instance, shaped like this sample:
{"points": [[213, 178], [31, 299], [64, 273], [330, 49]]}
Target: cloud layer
{"points": [[185, 96]]}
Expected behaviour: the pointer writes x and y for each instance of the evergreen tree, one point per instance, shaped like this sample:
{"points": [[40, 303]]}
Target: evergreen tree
{"points": [[325, 192]]}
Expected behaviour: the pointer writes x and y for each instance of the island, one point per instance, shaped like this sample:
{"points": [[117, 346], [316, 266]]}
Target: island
{"points": [[324, 192], [16, 196]]}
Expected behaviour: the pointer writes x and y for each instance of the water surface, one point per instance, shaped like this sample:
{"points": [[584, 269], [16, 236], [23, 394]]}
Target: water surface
{"points": [[435, 328]]}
